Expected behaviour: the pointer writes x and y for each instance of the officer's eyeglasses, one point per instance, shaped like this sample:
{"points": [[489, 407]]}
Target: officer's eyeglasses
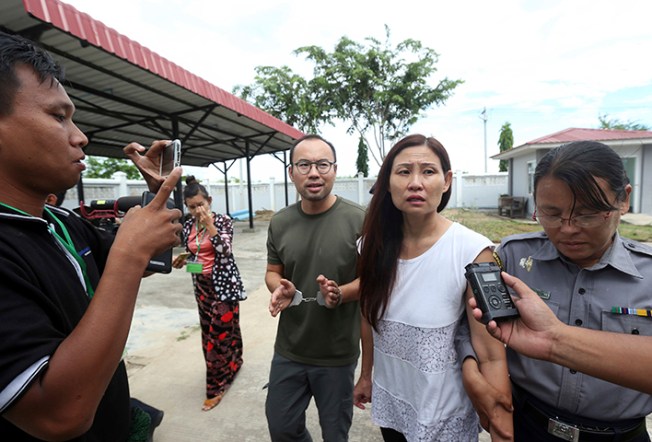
{"points": [[304, 166], [581, 221]]}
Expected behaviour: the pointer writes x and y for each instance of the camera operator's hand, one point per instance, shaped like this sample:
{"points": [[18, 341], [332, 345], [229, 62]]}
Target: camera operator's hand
{"points": [[148, 164], [149, 231]]}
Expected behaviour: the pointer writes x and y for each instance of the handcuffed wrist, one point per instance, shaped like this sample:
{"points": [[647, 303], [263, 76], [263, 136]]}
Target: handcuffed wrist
{"points": [[321, 300], [296, 300], [339, 297]]}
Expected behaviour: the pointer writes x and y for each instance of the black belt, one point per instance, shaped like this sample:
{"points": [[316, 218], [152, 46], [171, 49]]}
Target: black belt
{"points": [[565, 429], [571, 432]]}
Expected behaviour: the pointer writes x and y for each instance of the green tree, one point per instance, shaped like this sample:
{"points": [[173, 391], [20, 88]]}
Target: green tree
{"points": [[106, 167], [377, 89], [285, 95], [505, 142], [362, 162], [616, 124]]}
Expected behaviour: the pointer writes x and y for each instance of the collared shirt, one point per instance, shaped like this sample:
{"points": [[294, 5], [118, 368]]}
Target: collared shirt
{"points": [[42, 299], [583, 297]]}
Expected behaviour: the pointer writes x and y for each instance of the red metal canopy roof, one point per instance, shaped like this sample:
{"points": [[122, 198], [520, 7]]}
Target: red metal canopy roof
{"points": [[125, 92]]}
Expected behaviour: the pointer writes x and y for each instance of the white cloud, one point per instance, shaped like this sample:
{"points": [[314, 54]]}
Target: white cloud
{"points": [[543, 66]]}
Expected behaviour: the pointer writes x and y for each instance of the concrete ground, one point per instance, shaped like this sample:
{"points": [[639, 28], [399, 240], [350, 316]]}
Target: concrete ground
{"points": [[166, 366]]}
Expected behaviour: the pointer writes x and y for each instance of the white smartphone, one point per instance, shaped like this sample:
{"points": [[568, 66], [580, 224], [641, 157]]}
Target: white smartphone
{"points": [[170, 158]]}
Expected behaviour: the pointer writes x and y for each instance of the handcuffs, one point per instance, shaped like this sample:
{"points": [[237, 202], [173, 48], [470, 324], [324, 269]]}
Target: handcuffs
{"points": [[319, 298]]}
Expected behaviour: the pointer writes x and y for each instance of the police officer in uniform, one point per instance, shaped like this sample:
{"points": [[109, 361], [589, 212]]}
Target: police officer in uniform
{"points": [[580, 354]]}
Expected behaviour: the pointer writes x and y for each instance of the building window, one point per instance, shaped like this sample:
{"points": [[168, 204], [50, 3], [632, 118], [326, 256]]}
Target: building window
{"points": [[531, 165]]}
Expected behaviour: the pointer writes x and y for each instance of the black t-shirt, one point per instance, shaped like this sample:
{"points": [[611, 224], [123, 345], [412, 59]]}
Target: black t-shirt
{"points": [[42, 300]]}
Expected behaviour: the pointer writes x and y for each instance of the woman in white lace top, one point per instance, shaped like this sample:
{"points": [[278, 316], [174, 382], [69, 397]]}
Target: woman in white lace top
{"points": [[412, 296]]}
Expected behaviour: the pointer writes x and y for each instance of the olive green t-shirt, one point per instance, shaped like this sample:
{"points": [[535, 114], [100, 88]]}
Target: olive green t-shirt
{"points": [[307, 246]]}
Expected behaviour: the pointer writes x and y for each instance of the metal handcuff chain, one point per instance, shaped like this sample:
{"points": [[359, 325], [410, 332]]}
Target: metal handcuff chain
{"points": [[319, 298]]}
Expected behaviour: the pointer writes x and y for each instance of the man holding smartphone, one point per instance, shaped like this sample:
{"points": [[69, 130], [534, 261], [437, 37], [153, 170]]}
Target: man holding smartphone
{"points": [[68, 290]]}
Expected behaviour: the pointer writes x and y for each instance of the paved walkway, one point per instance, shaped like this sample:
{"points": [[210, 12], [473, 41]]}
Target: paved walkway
{"points": [[166, 367]]}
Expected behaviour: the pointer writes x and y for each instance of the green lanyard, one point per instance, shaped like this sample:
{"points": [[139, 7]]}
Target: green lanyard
{"points": [[66, 243], [199, 240]]}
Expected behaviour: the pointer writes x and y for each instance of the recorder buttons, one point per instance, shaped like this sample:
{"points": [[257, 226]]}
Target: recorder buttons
{"points": [[495, 302]]}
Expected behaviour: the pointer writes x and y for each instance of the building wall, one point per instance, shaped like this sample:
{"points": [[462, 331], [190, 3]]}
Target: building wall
{"points": [[521, 179], [646, 179], [641, 179]]}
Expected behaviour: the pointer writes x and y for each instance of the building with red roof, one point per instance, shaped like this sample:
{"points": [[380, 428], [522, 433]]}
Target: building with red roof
{"points": [[634, 147]]}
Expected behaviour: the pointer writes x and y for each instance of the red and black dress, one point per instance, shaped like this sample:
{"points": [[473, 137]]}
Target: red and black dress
{"points": [[218, 290]]}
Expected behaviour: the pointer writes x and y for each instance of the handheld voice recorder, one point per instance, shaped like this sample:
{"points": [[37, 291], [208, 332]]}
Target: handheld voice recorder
{"points": [[490, 291]]}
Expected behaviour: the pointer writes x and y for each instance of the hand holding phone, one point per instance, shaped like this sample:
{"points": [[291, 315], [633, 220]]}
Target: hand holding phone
{"points": [[170, 158], [183, 255], [154, 163], [180, 260]]}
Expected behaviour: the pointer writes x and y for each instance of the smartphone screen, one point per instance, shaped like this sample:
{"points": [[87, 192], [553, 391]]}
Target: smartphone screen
{"points": [[170, 158]]}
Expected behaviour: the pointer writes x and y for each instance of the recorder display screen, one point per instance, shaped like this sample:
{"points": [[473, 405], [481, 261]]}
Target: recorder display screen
{"points": [[489, 277]]}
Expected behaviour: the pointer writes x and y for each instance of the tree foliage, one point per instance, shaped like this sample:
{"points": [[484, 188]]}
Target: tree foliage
{"points": [[505, 142], [362, 162], [285, 95], [616, 124], [106, 167], [378, 90]]}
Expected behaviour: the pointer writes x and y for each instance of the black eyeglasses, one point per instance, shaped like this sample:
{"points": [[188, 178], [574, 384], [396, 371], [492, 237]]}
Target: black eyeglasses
{"points": [[323, 166], [582, 221]]}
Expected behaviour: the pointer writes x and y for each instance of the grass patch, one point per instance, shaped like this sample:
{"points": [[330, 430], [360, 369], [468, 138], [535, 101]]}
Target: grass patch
{"points": [[497, 227]]}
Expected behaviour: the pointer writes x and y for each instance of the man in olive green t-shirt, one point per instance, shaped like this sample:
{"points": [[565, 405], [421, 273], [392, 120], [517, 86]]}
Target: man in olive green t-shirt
{"points": [[311, 256]]}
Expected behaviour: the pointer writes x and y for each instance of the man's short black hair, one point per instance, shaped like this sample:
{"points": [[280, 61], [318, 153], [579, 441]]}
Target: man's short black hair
{"points": [[312, 137], [15, 50]]}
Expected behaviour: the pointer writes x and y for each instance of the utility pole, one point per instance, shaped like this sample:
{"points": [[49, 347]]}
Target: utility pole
{"points": [[484, 119]]}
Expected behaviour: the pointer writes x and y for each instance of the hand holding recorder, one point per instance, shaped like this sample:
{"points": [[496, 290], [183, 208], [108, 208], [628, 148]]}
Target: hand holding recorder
{"points": [[534, 332]]}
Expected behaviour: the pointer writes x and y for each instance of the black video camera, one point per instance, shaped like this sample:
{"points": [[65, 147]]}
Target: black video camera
{"points": [[490, 291], [104, 214]]}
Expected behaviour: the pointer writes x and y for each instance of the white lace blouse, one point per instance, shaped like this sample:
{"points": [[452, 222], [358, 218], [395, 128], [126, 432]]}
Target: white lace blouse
{"points": [[417, 379]]}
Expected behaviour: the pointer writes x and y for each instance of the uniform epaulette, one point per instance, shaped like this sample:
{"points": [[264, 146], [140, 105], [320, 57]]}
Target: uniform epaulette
{"points": [[637, 247], [541, 235]]}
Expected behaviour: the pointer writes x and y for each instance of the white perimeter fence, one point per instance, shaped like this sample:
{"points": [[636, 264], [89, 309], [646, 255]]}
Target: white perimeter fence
{"points": [[479, 191]]}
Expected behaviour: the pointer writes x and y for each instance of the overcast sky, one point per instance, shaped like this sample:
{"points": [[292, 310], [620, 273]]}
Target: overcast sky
{"points": [[543, 66]]}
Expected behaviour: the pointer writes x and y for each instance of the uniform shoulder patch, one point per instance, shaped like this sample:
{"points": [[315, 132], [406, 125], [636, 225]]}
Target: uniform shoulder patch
{"points": [[637, 247], [525, 237]]}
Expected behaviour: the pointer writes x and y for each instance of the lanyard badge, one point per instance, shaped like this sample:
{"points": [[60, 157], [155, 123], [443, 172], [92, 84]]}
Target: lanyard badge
{"points": [[195, 266]]}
